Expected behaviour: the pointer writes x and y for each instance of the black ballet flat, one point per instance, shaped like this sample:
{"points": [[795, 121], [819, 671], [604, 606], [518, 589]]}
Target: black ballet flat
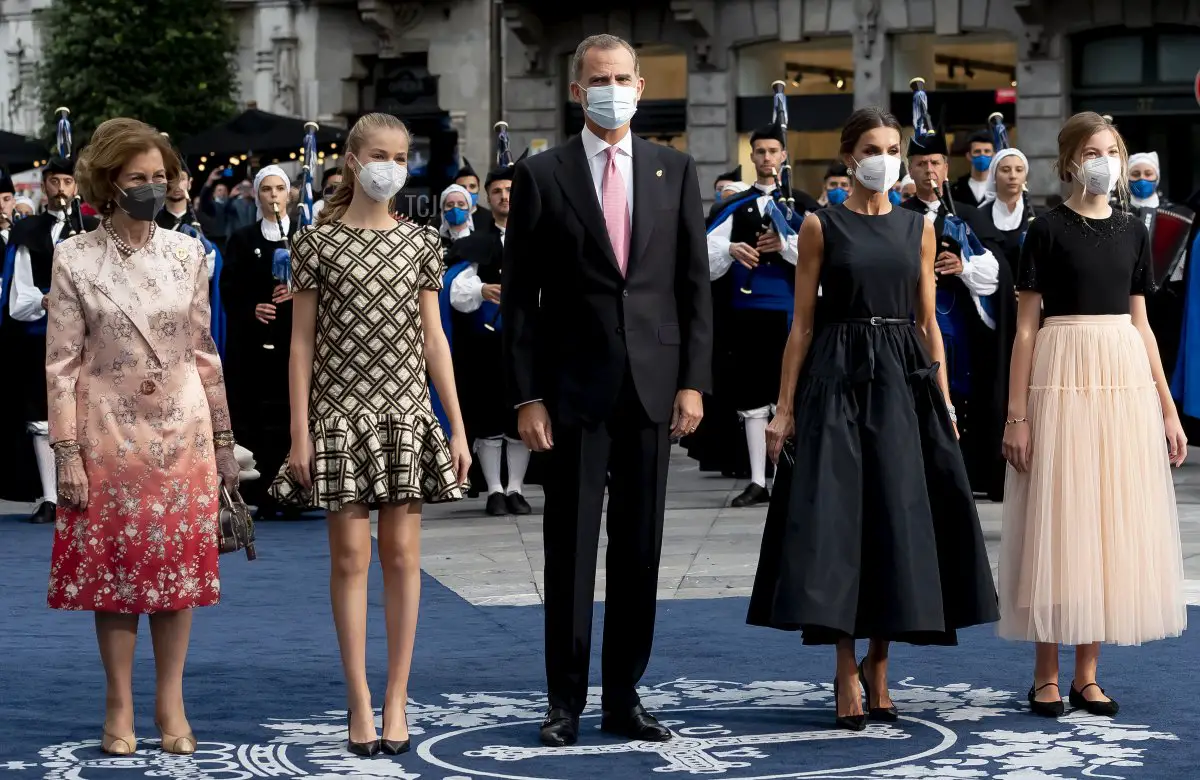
{"points": [[885, 714], [1047, 709], [366, 749], [848, 722], [1107, 708], [394, 747]]}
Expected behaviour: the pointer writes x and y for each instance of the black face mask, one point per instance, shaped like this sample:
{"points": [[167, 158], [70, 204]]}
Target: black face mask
{"points": [[143, 202]]}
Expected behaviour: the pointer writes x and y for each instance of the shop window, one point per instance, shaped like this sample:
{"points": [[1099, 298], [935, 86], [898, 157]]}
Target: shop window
{"points": [[1111, 61], [1178, 58]]}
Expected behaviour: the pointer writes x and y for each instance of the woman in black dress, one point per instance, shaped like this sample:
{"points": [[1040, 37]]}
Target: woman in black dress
{"points": [[878, 535]]}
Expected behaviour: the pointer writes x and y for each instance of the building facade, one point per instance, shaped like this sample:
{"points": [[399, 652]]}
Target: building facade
{"points": [[709, 66]]}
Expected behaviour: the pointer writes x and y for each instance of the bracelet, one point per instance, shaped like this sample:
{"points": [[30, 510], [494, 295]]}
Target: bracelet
{"points": [[65, 444], [65, 451], [1016, 420], [223, 439]]}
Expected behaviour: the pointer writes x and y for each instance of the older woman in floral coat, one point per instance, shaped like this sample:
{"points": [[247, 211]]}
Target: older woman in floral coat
{"points": [[139, 425]]}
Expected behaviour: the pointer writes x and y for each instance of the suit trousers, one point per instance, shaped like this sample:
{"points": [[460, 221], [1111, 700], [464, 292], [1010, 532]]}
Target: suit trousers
{"points": [[635, 451]]}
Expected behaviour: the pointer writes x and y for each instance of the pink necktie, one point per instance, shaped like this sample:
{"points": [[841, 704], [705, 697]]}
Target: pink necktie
{"points": [[616, 209]]}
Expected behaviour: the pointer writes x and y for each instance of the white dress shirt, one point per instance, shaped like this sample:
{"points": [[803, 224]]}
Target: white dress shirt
{"points": [[275, 231], [981, 274], [466, 291], [596, 151], [980, 190], [1004, 219], [719, 259], [25, 300]]}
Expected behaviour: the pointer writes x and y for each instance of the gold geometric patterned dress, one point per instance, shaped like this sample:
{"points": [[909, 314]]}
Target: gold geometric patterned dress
{"points": [[375, 437]]}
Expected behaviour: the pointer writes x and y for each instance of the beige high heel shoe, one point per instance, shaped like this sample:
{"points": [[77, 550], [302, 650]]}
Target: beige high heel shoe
{"points": [[118, 746], [180, 746]]}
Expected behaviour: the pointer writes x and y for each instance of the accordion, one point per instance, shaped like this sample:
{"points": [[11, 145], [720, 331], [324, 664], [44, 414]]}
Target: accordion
{"points": [[1169, 227]]}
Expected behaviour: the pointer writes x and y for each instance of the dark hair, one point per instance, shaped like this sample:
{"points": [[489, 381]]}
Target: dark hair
{"points": [[863, 121], [836, 169], [980, 137], [330, 173]]}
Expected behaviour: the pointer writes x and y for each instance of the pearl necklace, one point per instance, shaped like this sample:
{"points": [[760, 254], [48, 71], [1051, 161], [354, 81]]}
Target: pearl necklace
{"points": [[122, 246]]}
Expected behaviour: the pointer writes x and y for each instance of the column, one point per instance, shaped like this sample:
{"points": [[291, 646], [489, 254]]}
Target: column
{"points": [[711, 122], [912, 55], [535, 88], [275, 77], [1042, 105], [872, 59], [459, 55]]}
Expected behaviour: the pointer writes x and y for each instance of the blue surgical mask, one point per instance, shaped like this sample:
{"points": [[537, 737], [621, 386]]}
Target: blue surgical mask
{"points": [[1142, 188], [982, 162], [611, 106], [836, 197], [717, 197], [894, 197], [455, 216], [474, 199]]}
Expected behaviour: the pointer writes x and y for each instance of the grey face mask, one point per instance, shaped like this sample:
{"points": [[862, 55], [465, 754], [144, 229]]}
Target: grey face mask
{"points": [[143, 202]]}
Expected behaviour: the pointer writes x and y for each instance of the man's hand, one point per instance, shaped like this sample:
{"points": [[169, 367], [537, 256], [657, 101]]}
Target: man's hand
{"points": [[769, 242], [533, 424], [744, 254], [491, 292], [265, 313], [45, 302], [948, 263], [280, 294], [688, 411]]}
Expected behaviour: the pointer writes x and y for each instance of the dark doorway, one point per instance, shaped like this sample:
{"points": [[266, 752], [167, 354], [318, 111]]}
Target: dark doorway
{"points": [[1176, 138]]}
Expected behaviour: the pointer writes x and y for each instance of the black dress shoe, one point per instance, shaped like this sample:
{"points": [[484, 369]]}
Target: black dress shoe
{"points": [[517, 505], [560, 728], [634, 723], [885, 714], [1108, 708], [848, 722], [44, 514], [472, 492], [1047, 709], [496, 505], [394, 747], [753, 495], [360, 748]]}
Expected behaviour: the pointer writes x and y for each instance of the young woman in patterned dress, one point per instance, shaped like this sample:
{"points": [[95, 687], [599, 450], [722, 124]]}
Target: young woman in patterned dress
{"points": [[365, 324]]}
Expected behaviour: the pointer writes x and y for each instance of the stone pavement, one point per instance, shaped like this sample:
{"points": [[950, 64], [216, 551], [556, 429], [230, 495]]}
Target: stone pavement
{"points": [[710, 550]]}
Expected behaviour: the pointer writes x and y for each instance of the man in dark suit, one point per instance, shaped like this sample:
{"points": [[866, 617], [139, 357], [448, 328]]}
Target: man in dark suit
{"points": [[608, 346]]}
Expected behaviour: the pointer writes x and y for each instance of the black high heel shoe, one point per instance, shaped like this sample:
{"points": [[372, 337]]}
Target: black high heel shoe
{"points": [[367, 749], [1047, 709], [1108, 708], [394, 747], [885, 714], [848, 722]]}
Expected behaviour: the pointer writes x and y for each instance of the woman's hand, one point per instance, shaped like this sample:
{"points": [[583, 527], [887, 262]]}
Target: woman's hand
{"points": [[460, 455], [300, 460], [1018, 446], [228, 468], [1176, 440], [781, 428], [72, 482]]}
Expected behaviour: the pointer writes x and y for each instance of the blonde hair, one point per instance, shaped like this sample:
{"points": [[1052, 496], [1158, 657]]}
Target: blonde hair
{"points": [[1075, 133], [337, 203], [113, 144]]}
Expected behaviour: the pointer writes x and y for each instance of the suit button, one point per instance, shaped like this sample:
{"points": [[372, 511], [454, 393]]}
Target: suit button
{"points": [[148, 387], [620, 331], [624, 293]]}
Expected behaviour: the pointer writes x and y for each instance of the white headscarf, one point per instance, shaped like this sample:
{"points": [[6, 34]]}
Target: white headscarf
{"points": [[1152, 158], [270, 230], [736, 187], [465, 228], [1001, 216]]}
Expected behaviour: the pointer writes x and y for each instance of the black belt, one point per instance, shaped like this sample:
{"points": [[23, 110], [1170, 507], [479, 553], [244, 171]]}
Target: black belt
{"points": [[878, 320]]}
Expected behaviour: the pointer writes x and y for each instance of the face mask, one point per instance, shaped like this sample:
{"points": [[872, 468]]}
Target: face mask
{"points": [[837, 196], [474, 199], [1142, 188], [143, 202], [455, 216], [717, 197], [382, 180], [1099, 175], [982, 162], [894, 197], [878, 173], [611, 106]]}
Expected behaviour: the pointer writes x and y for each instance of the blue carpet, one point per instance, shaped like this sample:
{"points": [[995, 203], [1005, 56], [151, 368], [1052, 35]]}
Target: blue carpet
{"points": [[266, 699]]}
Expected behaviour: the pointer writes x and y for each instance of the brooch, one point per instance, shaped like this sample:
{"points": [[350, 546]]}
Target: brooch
{"points": [[181, 253], [658, 173]]}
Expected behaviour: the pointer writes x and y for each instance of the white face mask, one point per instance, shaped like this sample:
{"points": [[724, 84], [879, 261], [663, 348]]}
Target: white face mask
{"points": [[611, 106], [879, 173], [382, 180], [1099, 175]]}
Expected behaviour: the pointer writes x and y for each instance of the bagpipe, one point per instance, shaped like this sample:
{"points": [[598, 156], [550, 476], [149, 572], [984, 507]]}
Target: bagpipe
{"points": [[781, 212], [503, 160], [71, 207], [281, 261]]}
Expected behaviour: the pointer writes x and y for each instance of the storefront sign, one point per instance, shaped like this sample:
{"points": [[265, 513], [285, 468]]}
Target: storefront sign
{"points": [[1006, 95]]}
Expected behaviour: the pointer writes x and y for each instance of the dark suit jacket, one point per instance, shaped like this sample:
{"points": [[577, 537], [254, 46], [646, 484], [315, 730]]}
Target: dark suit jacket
{"points": [[571, 321]]}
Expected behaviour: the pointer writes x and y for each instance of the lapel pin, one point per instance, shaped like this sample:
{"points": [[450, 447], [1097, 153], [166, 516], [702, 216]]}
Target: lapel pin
{"points": [[658, 173], [181, 253]]}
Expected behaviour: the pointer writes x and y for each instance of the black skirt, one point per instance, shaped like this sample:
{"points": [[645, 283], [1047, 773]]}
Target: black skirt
{"points": [[873, 532]]}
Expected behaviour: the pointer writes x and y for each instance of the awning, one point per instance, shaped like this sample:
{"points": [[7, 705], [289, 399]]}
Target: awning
{"points": [[260, 133], [19, 153]]}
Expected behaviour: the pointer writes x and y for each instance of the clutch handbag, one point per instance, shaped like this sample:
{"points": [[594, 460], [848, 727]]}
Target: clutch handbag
{"points": [[237, 527]]}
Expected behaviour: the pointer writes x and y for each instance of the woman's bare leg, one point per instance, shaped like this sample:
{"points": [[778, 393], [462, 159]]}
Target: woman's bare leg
{"points": [[400, 555], [349, 563], [170, 632], [116, 636]]}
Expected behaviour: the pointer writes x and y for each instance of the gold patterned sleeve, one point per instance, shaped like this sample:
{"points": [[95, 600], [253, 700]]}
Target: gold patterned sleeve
{"points": [[65, 332], [208, 362]]}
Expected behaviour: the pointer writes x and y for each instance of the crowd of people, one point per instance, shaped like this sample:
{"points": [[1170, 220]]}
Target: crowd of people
{"points": [[889, 350]]}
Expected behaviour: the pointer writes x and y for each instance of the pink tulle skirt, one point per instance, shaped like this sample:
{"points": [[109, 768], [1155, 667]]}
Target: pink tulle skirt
{"points": [[1090, 546]]}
